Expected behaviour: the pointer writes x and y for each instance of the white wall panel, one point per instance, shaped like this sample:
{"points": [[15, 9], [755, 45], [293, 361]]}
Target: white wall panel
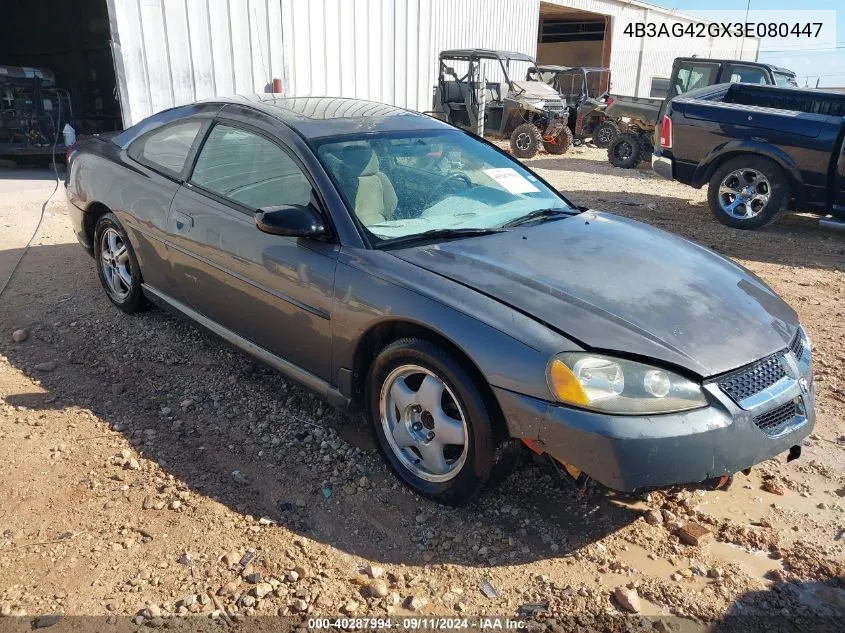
{"points": [[170, 52]]}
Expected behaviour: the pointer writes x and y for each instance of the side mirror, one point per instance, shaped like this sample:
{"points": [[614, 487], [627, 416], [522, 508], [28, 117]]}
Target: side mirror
{"points": [[291, 220]]}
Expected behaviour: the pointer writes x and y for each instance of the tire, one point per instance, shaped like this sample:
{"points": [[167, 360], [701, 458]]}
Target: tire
{"points": [[526, 140], [562, 143], [409, 370], [625, 151], [762, 190], [605, 133], [121, 275]]}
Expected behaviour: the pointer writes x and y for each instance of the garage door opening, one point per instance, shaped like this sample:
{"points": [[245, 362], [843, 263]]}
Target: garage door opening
{"points": [[571, 37], [71, 38]]}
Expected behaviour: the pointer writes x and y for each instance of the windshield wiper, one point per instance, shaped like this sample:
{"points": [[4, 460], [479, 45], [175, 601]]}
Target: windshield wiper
{"points": [[438, 234], [539, 213]]}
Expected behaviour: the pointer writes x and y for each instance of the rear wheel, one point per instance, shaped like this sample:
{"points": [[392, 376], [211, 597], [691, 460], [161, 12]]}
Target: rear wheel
{"points": [[561, 144], [625, 151], [432, 424], [747, 192], [526, 141], [117, 265], [604, 134]]}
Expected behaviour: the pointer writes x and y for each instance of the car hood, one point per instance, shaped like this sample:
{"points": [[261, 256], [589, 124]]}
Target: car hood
{"points": [[618, 285]]}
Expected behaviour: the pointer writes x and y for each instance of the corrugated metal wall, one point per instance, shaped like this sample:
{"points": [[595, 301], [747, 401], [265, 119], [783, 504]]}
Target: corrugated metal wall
{"points": [[170, 52]]}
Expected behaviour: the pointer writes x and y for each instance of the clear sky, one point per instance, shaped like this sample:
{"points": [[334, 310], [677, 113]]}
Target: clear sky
{"points": [[826, 66]]}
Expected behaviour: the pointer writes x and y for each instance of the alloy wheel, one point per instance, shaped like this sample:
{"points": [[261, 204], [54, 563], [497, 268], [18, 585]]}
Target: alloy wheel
{"points": [[744, 193], [114, 260], [424, 423], [523, 141]]}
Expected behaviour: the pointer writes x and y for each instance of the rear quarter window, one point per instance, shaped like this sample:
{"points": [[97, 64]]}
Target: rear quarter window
{"points": [[167, 148]]}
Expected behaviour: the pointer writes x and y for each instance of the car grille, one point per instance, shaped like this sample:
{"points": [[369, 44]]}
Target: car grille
{"points": [[753, 379], [797, 345], [554, 107], [772, 422]]}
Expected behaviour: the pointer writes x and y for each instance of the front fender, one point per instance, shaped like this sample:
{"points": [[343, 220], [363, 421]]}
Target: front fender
{"points": [[730, 149], [511, 350]]}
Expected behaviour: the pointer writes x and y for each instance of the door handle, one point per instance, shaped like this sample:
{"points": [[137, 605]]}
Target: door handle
{"points": [[183, 221]]}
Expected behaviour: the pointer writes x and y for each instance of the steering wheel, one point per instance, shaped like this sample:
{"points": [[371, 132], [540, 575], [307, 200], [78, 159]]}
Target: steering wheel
{"points": [[453, 182]]}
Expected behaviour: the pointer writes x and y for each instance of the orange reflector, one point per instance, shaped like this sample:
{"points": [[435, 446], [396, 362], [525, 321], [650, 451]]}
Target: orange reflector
{"points": [[565, 385]]}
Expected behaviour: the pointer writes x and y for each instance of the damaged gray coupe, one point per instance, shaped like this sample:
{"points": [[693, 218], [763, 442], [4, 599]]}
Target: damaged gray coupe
{"points": [[402, 267]]}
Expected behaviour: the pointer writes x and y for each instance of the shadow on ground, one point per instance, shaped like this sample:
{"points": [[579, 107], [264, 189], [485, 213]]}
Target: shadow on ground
{"points": [[813, 607], [245, 417]]}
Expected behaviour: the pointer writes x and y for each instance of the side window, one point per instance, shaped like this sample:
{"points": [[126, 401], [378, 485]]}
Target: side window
{"points": [[694, 76], [166, 149], [249, 169], [748, 75]]}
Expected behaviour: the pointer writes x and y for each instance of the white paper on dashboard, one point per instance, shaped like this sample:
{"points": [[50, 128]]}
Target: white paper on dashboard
{"points": [[510, 180]]}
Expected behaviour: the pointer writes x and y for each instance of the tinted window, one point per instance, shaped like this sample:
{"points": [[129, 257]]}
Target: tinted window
{"points": [[694, 76], [748, 75], [167, 148], [249, 169]]}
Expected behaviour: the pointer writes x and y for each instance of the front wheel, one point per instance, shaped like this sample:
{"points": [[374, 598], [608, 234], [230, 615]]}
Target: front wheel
{"points": [[526, 141], [747, 192], [604, 134], [625, 151], [432, 424], [561, 144]]}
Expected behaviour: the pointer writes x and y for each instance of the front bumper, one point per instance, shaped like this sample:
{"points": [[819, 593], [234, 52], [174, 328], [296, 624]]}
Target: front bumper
{"points": [[662, 166], [630, 452]]}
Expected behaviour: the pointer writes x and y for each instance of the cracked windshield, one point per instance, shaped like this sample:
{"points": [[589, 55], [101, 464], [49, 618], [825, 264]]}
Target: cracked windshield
{"points": [[404, 186]]}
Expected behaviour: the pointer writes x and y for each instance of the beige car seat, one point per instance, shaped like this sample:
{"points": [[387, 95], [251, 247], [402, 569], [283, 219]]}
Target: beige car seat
{"points": [[375, 199]]}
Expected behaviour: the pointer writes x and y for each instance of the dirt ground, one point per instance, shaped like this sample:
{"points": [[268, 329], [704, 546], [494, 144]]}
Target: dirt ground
{"points": [[147, 470]]}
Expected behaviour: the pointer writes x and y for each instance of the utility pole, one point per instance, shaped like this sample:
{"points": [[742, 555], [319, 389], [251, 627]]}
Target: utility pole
{"points": [[742, 46]]}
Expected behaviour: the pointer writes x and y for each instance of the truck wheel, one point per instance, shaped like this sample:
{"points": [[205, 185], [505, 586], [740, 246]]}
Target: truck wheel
{"points": [[526, 141], [747, 192], [605, 133], [625, 151], [561, 144]]}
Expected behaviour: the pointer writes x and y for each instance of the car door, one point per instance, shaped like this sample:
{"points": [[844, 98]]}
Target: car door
{"points": [[158, 160], [271, 290]]}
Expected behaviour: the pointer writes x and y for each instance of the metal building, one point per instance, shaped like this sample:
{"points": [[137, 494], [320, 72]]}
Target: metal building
{"points": [[168, 52]]}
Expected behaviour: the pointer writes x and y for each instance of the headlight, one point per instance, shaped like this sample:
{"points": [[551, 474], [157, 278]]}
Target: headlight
{"points": [[615, 385], [538, 103]]}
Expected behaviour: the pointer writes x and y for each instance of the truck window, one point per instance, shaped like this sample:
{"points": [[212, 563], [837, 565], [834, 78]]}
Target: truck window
{"points": [[748, 75], [782, 80], [694, 76]]}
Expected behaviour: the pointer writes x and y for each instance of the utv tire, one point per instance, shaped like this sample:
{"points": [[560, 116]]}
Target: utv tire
{"points": [[561, 144], [625, 151], [605, 133], [526, 141], [117, 265], [411, 386], [747, 192]]}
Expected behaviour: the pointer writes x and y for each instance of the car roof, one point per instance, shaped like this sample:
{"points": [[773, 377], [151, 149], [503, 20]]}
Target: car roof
{"points": [[319, 117], [486, 53], [310, 117]]}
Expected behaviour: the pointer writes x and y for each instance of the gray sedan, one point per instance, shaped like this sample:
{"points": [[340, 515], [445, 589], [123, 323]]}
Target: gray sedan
{"points": [[402, 267]]}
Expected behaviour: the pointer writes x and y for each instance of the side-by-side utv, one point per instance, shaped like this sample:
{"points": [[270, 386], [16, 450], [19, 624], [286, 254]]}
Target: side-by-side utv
{"points": [[529, 113], [585, 91]]}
